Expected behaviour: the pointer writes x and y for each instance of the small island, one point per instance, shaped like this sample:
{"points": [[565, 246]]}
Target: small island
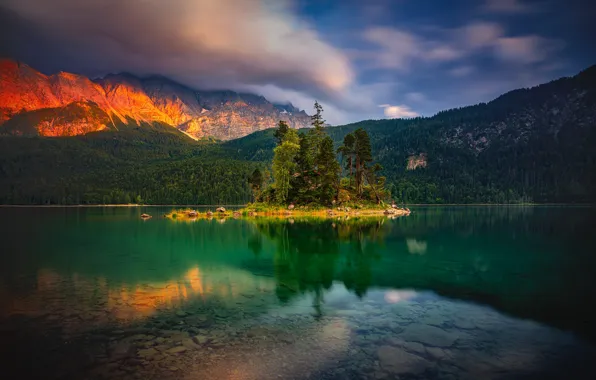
{"points": [[308, 180]]}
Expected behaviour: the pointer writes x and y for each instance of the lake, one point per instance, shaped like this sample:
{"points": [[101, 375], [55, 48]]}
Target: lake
{"points": [[445, 293]]}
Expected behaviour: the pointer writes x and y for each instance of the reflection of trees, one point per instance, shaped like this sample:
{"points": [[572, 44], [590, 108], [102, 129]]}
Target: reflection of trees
{"points": [[311, 254]]}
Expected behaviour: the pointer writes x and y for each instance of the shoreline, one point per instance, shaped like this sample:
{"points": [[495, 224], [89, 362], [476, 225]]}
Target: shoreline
{"points": [[244, 205]]}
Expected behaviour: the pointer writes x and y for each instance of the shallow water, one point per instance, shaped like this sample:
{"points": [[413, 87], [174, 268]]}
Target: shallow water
{"points": [[446, 293]]}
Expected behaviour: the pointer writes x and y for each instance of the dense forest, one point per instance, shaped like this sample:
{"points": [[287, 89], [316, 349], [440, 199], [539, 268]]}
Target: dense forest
{"points": [[530, 145]]}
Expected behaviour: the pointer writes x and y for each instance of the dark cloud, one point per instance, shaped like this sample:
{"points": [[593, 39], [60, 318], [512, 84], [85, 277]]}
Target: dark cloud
{"points": [[208, 43]]}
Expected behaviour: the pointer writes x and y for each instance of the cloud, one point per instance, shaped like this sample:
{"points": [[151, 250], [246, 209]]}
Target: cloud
{"points": [[398, 112], [507, 6], [398, 49], [481, 34], [208, 43], [415, 97], [526, 49], [461, 71]]}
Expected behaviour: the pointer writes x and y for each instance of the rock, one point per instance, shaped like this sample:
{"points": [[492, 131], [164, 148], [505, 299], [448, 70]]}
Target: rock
{"points": [[429, 335], [190, 344], [436, 353], [257, 331], [193, 214], [145, 216], [121, 350], [200, 339], [398, 361], [139, 337], [162, 348], [176, 350], [221, 210], [463, 324], [147, 353], [209, 213], [237, 214], [291, 207]]}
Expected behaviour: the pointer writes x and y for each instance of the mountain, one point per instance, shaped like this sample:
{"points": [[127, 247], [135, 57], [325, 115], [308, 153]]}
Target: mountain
{"points": [[536, 144], [66, 104]]}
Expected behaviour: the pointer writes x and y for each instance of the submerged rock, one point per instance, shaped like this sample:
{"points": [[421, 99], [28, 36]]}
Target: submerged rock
{"points": [[176, 350], [145, 216], [429, 335], [397, 361]]}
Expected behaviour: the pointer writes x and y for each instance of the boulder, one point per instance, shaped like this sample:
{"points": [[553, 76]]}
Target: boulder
{"points": [[398, 361], [291, 206], [145, 216], [193, 214], [221, 210], [209, 213], [237, 214]]}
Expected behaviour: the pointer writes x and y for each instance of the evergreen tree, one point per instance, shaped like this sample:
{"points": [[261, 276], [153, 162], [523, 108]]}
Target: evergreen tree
{"points": [[317, 133], [256, 182], [363, 153], [284, 164], [347, 152], [280, 132], [329, 170]]}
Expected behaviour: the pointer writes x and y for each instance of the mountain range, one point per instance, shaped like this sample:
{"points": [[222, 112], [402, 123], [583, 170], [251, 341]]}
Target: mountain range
{"points": [[66, 104], [529, 145]]}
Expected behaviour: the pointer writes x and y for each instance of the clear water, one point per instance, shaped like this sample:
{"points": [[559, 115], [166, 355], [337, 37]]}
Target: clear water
{"points": [[446, 293]]}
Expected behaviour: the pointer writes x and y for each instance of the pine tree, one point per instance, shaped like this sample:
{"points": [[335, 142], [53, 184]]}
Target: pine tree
{"points": [[363, 153], [256, 182], [280, 132], [317, 133], [329, 170], [347, 152]]}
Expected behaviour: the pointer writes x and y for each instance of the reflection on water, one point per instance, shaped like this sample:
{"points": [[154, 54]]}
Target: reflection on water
{"points": [[488, 292]]}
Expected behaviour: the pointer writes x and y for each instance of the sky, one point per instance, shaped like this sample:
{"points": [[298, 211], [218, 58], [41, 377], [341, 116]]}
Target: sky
{"points": [[362, 59]]}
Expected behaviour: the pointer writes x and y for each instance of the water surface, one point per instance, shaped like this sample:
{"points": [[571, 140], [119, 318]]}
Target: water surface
{"points": [[446, 293]]}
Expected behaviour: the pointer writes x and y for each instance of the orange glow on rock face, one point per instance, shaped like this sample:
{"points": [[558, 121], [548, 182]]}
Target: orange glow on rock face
{"points": [[114, 99]]}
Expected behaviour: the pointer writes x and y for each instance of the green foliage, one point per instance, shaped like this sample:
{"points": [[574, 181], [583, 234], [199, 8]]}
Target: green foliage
{"points": [[280, 132], [150, 164], [283, 164], [329, 170]]}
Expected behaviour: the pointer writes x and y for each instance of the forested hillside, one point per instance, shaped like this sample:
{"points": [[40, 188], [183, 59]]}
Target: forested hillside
{"points": [[530, 145], [152, 164]]}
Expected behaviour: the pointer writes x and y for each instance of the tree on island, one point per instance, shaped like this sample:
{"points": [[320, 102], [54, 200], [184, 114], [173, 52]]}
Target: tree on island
{"points": [[256, 182], [284, 164], [306, 169], [347, 153]]}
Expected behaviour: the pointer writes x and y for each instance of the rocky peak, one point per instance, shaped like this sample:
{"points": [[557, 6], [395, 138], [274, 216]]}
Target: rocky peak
{"points": [[124, 97]]}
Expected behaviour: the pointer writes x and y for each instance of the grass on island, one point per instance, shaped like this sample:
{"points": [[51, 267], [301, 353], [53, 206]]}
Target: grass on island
{"points": [[270, 210]]}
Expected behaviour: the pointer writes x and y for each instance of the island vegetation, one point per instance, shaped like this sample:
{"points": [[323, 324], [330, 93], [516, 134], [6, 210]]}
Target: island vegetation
{"points": [[308, 179]]}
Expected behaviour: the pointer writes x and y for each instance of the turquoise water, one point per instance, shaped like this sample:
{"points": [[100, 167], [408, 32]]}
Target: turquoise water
{"points": [[445, 293]]}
